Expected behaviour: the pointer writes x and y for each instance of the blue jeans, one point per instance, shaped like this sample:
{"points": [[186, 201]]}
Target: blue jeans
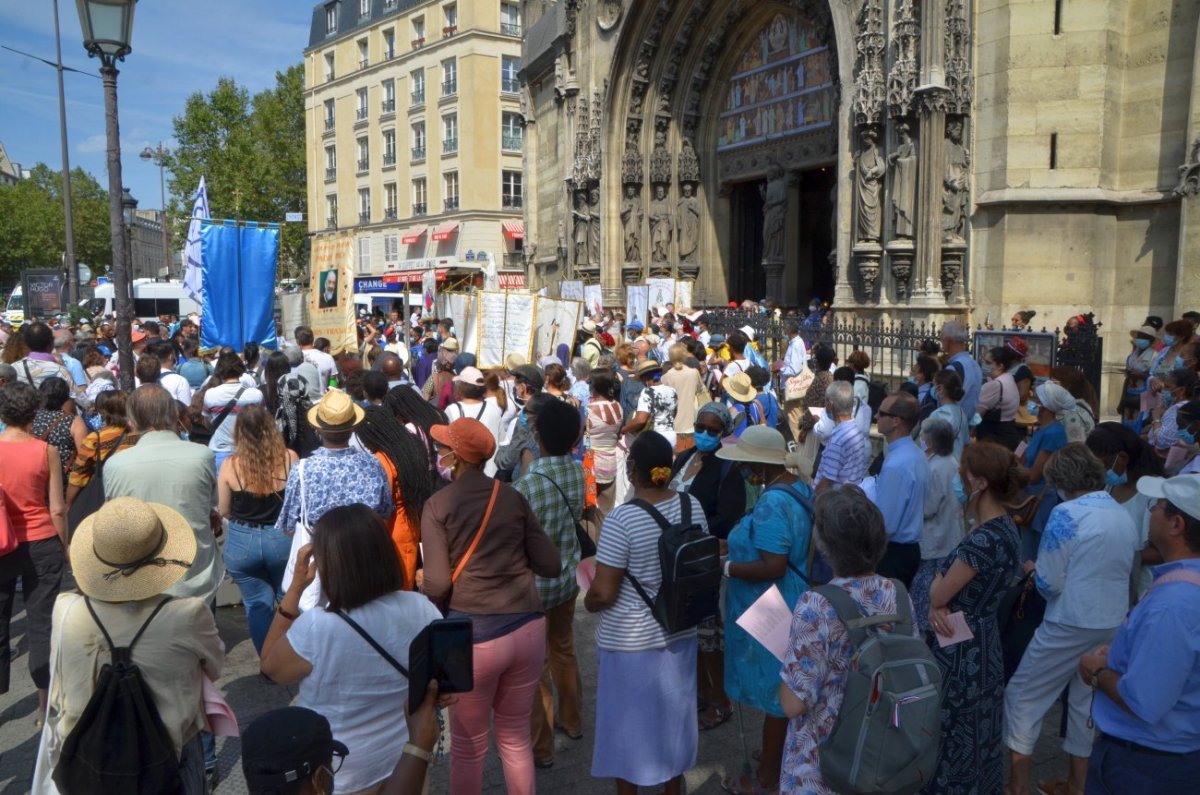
{"points": [[1114, 769], [255, 557]]}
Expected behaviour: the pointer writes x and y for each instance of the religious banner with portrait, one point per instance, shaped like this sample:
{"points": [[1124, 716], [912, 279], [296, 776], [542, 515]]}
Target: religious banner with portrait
{"points": [[505, 326], [331, 303], [637, 303], [555, 323], [593, 300]]}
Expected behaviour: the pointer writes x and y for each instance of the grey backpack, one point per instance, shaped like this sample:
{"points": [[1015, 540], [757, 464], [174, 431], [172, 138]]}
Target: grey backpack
{"points": [[887, 733]]}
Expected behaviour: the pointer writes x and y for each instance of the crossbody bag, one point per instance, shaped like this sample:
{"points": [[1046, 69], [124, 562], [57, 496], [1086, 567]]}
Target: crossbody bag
{"points": [[587, 547]]}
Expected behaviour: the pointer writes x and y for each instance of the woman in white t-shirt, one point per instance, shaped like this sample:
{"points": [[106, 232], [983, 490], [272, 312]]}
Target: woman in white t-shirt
{"points": [[228, 389], [341, 674], [470, 389], [657, 404], [646, 724]]}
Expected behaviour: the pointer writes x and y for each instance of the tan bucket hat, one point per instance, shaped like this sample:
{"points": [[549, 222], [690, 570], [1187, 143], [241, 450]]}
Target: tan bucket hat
{"points": [[758, 444], [740, 388], [336, 411], [130, 550]]}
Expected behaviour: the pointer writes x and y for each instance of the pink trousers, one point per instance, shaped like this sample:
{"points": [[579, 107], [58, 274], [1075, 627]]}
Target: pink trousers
{"points": [[507, 670]]}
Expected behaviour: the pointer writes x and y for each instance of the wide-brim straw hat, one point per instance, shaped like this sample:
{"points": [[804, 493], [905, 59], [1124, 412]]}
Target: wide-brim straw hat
{"points": [[336, 411], [130, 550], [647, 367], [758, 444], [1149, 332], [740, 388]]}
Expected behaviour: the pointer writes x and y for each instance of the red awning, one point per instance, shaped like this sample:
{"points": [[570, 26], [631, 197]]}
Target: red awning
{"points": [[514, 229], [412, 235], [414, 277], [444, 231], [510, 281]]}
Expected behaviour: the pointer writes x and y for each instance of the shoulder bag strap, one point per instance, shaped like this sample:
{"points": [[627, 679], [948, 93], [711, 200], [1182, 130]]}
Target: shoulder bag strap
{"points": [[45, 435], [685, 516], [482, 409], [374, 644], [228, 408], [462, 564], [807, 505], [108, 639], [28, 375], [558, 488], [115, 448], [303, 507]]}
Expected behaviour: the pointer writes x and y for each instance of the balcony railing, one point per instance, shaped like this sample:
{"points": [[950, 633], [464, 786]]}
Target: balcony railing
{"points": [[451, 204], [511, 143], [330, 75], [363, 165], [510, 29], [389, 160], [331, 223], [419, 208], [449, 146], [514, 260], [389, 106], [418, 153], [389, 53], [361, 114], [449, 88], [449, 31], [364, 218], [510, 85], [511, 202], [329, 124], [363, 63], [418, 43], [330, 174], [390, 214], [418, 97]]}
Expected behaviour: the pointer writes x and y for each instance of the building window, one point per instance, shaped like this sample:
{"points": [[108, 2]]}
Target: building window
{"points": [[449, 77], [450, 185], [389, 201], [510, 19], [418, 137], [364, 155], [420, 197], [329, 70], [363, 59], [512, 132], [389, 44], [509, 68], [331, 18], [364, 255], [330, 162], [418, 87], [329, 114], [364, 205], [510, 190], [389, 96], [364, 9], [331, 215], [389, 147], [389, 5], [418, 31], [450, 133], [361, 113], [451, 14]]}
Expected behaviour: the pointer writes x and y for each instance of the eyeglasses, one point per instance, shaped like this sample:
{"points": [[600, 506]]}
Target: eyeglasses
{"points": [[698, 428], [882, 413]]}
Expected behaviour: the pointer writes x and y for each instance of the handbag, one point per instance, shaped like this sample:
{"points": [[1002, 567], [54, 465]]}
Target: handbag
{"points": [[1019, 615], [1023, 513], [91, 498], [796, 387], [587, 547]]}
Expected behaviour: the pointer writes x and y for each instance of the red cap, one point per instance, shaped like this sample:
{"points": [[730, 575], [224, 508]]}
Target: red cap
{"points": [[1018, 346], [469, 438]]}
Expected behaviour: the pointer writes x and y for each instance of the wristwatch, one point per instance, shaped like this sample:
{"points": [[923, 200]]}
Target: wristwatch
{"points": [[419, 753], [1094, 681]]}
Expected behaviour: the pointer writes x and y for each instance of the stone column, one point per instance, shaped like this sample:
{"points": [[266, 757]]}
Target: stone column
{"points": [[1187, 286], [931, 100], [775, 215]]}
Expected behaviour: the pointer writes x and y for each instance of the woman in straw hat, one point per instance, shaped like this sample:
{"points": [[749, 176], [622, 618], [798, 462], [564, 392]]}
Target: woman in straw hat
{"points": [[124, 556], [657, 404], [748, 411], [769, 547]]}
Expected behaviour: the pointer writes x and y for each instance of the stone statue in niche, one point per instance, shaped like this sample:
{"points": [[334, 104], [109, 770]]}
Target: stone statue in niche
{"points": [[661, 225], [869, 168], [594, 226], [904, 182], [775, 201], [955, 184], [581, 227], [631, 222], [689, 223]]}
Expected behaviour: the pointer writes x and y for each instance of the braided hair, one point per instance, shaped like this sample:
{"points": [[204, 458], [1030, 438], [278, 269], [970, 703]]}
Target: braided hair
{"points": [[408, 405], [381, 432]]}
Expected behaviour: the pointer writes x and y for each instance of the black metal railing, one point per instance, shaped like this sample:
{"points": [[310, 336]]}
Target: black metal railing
{"points": [[510, 29], [420, 208], [389, 160], [390, 214], [451, 203], [418, 97], [449, 146], [364, 218], [330, 174], [363, 165], [329, 123], [418, 153], [510, 85], [389, 106], [363, 63], [360, 114], [511, 202], [449, 88], [512, 143]]}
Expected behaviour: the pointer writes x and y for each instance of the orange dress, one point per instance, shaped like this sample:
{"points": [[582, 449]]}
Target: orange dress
{"points": [[406, 534]]}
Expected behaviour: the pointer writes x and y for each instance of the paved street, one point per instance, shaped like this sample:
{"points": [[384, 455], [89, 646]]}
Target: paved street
{"points": [[251, 695]]}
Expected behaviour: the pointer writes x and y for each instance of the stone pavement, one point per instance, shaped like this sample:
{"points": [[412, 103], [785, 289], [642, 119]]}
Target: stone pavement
{"points": [[250, 695]]}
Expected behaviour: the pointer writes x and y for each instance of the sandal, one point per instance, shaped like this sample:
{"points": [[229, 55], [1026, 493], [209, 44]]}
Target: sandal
{"points": [[709, 721], [571, 735], [734, 786]]}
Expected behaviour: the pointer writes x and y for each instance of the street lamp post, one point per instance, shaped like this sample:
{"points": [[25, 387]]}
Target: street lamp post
{"points": [[72, 268], [107, 30], [159, 156]]}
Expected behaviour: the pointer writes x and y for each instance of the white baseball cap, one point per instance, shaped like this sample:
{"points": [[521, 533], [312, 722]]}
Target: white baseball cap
{"points": [[1182, 491]]}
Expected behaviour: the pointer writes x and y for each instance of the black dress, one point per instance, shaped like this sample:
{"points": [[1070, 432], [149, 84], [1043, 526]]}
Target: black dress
{"points": [[971, 759]]}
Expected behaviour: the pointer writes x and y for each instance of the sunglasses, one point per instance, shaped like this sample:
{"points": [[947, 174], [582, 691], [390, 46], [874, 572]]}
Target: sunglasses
{"points": [[882, 413]]}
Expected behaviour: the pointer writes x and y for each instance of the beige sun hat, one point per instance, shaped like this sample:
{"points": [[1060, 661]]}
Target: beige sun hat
{"points": [[758, 444], [336, 411], [130, 550], [514, 360], [740, 388]]}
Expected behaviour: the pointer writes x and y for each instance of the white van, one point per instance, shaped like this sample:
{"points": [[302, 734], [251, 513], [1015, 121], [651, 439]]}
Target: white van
{"points": [[151, 299]]}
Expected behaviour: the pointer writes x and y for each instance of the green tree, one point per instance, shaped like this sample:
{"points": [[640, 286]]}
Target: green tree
{"points": [[33, 225], [250, 151]]}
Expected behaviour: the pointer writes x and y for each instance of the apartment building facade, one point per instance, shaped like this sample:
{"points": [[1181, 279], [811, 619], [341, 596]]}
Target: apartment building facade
{"points": [[414, 136]]}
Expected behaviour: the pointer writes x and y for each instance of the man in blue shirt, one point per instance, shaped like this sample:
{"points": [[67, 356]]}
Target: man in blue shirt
{"points": [[900, 488], [955, 336], [1147, 702]]}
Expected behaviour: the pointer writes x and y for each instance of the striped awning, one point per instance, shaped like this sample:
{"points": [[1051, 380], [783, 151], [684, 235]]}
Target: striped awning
{"points": [[510, 281], [412, 235], [514, 229], [444, 231]]}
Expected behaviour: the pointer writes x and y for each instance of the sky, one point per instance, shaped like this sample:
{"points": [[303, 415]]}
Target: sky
{"points": [[179, 47]]}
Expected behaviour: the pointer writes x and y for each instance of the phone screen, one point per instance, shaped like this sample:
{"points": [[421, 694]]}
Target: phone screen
{"points": [[442, 650]]}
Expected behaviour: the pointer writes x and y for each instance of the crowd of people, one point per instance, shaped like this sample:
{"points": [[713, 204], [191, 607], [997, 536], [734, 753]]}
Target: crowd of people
{"points": [[356, 497]]}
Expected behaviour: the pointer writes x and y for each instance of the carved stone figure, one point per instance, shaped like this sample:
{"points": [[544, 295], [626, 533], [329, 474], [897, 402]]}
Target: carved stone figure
{"points": [[631, 222], [955, 184], [581, 224], [689, 223], [660, 159], [661, 225], [869, 168], [689, 164], [775, 201], [594, 226], [904, 182], [1189, 173]]}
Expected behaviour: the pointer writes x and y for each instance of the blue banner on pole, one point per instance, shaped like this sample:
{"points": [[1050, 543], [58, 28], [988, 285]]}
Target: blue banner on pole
{"points": [[238, 265]]}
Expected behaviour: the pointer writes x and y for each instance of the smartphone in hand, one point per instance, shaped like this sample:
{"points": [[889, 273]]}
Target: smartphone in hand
{"points": [[443, 651]]}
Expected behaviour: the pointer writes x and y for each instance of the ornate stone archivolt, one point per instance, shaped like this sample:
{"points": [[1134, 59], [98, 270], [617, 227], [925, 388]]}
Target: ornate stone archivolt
{"points": [[869, 46], [958, 57], [902, 76]]}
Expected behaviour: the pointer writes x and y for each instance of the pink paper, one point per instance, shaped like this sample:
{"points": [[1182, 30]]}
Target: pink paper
{"points": [[1020, 451], [221, 720], [585, 572], [768, 621], [959, 630]]}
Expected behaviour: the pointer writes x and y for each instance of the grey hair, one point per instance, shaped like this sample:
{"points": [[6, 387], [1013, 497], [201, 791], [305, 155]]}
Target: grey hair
{"points": [[62, 338], [294, 355], [849, 531], [1075, 468], [8, 373], [607, 361], [938, 436], [580, 368], [840, 395], [152, 408]]}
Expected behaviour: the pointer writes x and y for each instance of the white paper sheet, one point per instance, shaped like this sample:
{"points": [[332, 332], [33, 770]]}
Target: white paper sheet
{"points": [[768, 621]]}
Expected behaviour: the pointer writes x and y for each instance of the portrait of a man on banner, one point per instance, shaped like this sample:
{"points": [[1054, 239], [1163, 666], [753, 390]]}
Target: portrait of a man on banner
{"points": [[329, 296]]}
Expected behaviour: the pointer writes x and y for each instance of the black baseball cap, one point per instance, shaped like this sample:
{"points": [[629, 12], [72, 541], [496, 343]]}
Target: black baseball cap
{"points": [[531, 376], [286, 745]]}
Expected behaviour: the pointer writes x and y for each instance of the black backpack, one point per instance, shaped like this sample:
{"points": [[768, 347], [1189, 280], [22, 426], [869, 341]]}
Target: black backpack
{"points": [[119, 745], [691, 571], [876, 393]]}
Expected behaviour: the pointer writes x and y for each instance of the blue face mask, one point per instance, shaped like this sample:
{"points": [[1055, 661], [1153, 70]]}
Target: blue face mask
{"points": [[1168, 339], [1141, 343], [523, 418], [706, 441], [959, 494], [912, 379], [1167, 398], [1032, 408], [1112, 479], [937, 393], [1187, 437], [1180, 364]]}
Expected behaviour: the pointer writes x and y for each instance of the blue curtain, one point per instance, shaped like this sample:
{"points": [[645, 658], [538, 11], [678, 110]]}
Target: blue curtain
{"points": [[238, 265]]}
